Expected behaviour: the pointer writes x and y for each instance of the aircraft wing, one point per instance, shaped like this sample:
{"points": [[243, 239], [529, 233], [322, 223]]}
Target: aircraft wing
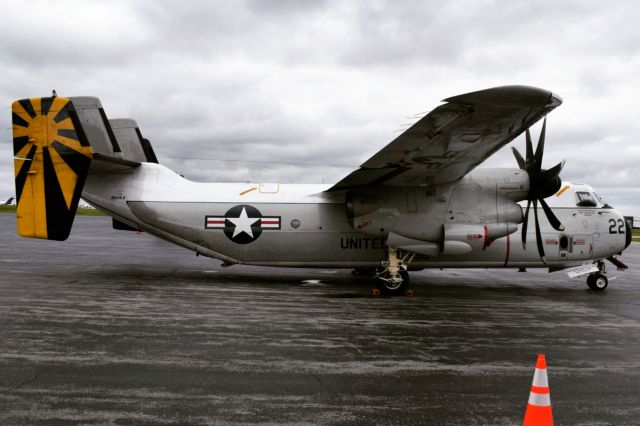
{"points": [[454, 138]]}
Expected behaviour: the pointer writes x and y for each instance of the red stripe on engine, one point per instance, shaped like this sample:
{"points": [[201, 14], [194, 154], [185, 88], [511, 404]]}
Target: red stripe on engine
{"points": [[486, 237], [506, 258]]}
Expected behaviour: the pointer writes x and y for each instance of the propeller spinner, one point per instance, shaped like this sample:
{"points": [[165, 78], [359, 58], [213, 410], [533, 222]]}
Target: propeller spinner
{"points": [[542, 184]]}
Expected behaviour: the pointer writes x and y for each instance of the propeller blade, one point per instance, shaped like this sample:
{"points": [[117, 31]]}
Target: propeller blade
{"points": [[553, 220], [525, 222], [552, 172], [529, 148], [540, 147], [547, 182], [538, 234], [521, 163]]}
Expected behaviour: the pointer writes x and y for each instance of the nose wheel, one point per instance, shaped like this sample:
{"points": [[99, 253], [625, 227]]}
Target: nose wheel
{"points": [[598, 280]]}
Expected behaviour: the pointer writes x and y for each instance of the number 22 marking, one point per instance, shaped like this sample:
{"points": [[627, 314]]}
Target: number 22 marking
{"points": [[612, 226]]}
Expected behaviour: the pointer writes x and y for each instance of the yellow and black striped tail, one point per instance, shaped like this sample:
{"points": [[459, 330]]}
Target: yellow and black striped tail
{"points": [[51, 161]]}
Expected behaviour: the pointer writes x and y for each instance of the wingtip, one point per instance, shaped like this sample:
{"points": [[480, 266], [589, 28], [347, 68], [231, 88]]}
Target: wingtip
{"points": [[554, 101], [509, 96]]}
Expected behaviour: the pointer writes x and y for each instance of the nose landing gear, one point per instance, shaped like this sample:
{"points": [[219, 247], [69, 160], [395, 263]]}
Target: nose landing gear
{"points": [[598, 281]]}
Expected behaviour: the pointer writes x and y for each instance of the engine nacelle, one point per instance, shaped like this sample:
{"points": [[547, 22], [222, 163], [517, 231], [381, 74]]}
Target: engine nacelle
{"points": [[456, 238], [436, 217], [476, 236], [463, 237]]}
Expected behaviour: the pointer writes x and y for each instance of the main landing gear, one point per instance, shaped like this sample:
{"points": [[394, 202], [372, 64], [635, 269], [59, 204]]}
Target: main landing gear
{"points": [[392, 278], [598, 281]]}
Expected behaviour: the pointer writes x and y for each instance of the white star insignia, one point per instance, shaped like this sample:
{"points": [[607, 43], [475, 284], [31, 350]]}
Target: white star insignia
{"points": [[243, 223]]}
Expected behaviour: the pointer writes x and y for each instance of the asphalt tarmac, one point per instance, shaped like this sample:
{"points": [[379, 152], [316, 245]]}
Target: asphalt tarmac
{"points": [[114, 327]]}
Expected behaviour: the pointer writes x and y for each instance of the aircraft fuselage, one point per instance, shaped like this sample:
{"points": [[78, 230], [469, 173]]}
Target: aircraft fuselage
{"points": [[303, 226]]}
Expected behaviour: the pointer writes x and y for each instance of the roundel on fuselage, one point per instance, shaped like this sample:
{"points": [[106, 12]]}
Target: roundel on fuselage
{"points": [[242, 224]]}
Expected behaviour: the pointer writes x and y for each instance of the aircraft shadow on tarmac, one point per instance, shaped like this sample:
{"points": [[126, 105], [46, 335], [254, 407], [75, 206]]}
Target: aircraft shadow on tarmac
{"points": [[339, 285]]}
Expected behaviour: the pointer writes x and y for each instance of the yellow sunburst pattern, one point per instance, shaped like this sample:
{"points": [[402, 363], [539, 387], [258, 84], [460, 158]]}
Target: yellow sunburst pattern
{"points": [[51, 162]]}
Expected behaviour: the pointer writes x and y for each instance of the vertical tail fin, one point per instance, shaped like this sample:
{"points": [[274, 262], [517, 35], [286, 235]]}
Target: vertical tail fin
{"points": [[51, 161]]}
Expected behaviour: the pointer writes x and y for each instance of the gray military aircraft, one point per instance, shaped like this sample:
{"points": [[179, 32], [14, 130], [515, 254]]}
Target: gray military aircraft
{"points": [[417, 203]]}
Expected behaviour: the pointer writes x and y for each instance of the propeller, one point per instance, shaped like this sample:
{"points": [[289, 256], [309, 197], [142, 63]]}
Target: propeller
{"points": [[542, 184]]}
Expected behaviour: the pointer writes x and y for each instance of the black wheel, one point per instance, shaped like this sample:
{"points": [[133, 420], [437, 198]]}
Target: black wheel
{"points": [[392, 286], [597, 281]]}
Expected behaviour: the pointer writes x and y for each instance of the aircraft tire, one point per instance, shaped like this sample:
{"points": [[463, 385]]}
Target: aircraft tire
{"points": [[390, 289], [597, 282]]}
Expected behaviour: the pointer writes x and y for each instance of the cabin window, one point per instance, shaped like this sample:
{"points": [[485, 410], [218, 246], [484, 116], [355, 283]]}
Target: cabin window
{"points": [[269, 188], [586, 199]]}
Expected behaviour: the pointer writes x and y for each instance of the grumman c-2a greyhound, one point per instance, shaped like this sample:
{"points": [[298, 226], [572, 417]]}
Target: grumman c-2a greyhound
{"points": [[417, 203]]}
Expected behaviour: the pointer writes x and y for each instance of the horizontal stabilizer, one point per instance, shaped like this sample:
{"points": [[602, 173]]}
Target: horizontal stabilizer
{"points": [[134, 147], [51, 161], [96, 126], [148, 151], [130, 144], [119, 138]]}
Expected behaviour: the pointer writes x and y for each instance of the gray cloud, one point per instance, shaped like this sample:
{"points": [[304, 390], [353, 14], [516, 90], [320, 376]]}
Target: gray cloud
{"points": [[327, 82]]}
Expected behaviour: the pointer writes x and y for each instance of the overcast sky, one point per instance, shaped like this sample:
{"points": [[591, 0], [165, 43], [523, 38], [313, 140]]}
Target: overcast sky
{"points": [[326, 82]]}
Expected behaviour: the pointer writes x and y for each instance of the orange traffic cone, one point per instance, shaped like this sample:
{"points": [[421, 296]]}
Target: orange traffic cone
{"points": [[539, 407]]}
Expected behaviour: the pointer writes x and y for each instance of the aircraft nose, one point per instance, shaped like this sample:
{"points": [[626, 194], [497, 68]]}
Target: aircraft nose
{"points": [[629, 234]]}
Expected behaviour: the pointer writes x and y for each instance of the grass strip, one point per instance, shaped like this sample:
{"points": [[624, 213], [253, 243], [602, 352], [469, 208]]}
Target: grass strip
{"points": [[79, 212]]}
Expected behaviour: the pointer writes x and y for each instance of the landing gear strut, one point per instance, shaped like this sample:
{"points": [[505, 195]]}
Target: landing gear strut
{"points": [[598, 281], [393, 279]]}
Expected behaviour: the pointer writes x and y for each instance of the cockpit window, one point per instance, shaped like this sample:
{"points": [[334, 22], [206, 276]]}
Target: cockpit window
{"points": [[586, 199], [604, 204]]}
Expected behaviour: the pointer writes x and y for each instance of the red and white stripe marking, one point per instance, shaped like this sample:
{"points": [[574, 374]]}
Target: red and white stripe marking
{"points": [[272, 222], [214, 222], [218, 222]]}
